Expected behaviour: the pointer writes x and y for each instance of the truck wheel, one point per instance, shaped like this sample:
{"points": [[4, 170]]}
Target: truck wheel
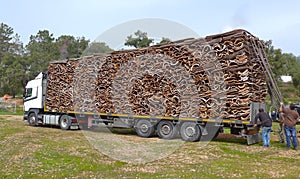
{"points": [[166, 129], [32, 119], [65, 122], [190, 131], [144, 128]]}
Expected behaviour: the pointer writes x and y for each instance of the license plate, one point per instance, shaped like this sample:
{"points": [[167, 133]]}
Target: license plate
{"points": [[73, 127]]}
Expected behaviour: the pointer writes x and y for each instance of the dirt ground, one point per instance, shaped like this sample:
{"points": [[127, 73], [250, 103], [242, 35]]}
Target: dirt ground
{"points": [[12, 117]]}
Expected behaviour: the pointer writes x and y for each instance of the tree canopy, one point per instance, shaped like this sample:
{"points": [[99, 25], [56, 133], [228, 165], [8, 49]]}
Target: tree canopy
{"points": [[42, 50], [139, 40], [165, 40], [97, 47], [21, 63], [283, 63], [13, 68], [71, 47]]}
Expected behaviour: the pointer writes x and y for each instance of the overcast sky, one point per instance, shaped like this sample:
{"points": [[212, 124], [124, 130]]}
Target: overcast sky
{"points": [[277, 20]]}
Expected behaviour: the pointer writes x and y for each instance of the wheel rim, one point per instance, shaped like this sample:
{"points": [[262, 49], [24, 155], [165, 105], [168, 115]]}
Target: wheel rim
{"points": [[144, 128], [64, 123], [32, 119], [190, 131], [165, 129]]}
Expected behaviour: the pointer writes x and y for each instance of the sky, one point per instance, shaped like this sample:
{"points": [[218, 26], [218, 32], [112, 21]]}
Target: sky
{"points": [[275, 20]]}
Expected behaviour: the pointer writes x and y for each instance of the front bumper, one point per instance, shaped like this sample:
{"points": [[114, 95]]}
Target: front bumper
{"points": [[25, 118]]}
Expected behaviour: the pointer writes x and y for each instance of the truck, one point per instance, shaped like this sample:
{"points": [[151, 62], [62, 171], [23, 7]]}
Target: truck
{"points": [[192, 88]]}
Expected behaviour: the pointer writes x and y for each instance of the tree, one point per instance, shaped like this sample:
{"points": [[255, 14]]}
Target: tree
{"points": [[6, 35], [42, 50], [97, 47], [283, 63], [12, 61], [165, 40], [71, 47], [14, 68], [13, 64], [275, 59], [140, 40]]}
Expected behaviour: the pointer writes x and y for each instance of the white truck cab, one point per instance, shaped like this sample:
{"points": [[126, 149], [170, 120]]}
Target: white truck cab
{"points": [[33, 96]]}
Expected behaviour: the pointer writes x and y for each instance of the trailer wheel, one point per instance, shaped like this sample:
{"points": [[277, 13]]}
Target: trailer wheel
{"points": [[144, 128], [190, 131], [166, 129], [65, 122], [32, 119]]}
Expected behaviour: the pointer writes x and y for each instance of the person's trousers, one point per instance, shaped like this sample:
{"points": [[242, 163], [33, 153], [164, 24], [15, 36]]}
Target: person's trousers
{"points": [[291, 132], [266, 136]]}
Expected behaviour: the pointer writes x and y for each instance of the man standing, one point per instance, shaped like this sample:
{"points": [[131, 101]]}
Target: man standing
{"points": [[289, 118], [266, 124]]}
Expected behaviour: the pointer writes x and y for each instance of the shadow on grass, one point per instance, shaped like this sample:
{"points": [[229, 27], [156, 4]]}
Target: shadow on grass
{"points": [[117, 131], [223, 137], [233, 139]]}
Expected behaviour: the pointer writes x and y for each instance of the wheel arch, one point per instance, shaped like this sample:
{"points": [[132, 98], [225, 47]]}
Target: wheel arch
{"points": [[153, 121], [34, 110], [35, 113], [66, 114]]}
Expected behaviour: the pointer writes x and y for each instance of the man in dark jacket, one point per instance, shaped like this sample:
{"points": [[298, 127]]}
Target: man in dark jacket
{"points": [[266, 124], [289, 118]]}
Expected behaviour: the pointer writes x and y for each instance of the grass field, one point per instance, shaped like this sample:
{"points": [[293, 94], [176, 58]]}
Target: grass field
{"points": [[48, 152]]}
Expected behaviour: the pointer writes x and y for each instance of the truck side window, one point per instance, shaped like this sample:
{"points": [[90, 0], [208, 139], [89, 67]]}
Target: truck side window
{"points": [[28, 92]]}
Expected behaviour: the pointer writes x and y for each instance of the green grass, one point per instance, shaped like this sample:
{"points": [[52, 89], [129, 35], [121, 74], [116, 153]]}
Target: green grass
{"points": [[46, 152], [228, 150], [19, 111]]}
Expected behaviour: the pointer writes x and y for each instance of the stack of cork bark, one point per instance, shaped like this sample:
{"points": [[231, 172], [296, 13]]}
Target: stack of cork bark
{"points": [[214, 77]]}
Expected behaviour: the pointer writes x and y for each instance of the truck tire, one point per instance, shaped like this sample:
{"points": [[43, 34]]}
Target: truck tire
{"points": [[166, 129], [64, 122], [32, 119], [144, 128], [190, 131]]}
